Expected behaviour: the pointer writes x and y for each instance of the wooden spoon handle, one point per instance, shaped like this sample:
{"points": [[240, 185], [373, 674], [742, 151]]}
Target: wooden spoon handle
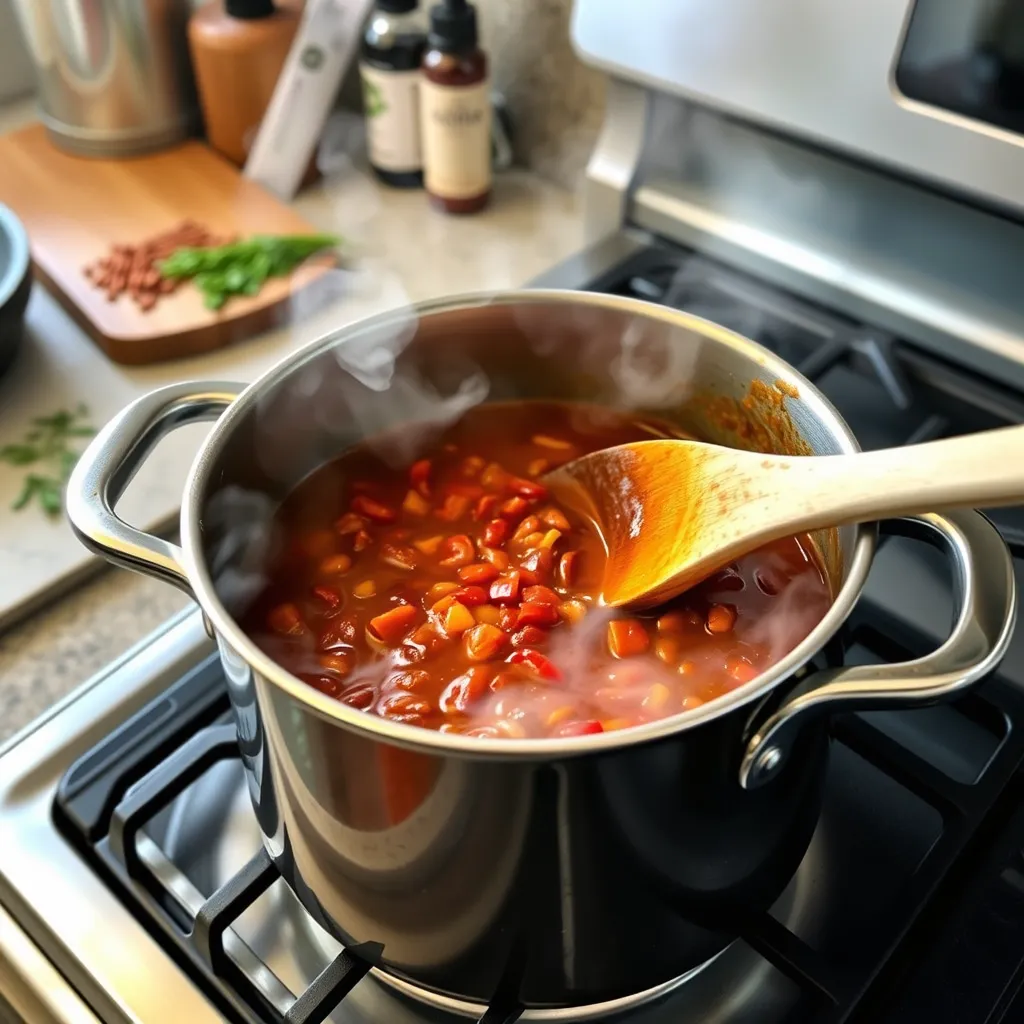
{"points": [[977, 470]]}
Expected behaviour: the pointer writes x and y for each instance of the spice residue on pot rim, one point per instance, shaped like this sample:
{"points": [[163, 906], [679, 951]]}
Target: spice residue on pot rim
{"points": [[446, 589]]}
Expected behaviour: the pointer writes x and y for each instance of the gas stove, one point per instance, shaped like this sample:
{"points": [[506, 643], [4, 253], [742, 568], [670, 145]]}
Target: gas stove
{"points": [[130, 857], [868, 230]]}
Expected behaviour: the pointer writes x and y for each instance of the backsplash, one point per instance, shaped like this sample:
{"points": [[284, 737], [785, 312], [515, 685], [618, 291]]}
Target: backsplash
{"points": [[556, 101]]}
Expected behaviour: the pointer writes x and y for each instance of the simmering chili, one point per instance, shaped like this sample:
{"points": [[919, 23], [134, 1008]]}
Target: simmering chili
{"points": [[446, 589]]}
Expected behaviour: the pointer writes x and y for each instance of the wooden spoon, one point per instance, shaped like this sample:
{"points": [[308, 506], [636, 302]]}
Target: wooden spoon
{"points": [[673, 512]]}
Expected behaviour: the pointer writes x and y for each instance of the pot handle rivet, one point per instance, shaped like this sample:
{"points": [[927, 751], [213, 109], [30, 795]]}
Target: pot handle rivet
{"points": [[986, 614]]}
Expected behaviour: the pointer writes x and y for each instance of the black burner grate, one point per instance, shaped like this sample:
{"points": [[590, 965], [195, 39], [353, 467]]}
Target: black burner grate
{"points": [[110, 795]]}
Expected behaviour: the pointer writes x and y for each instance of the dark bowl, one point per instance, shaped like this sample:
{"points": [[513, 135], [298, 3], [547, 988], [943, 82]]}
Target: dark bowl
{"points": [[15, 285]]}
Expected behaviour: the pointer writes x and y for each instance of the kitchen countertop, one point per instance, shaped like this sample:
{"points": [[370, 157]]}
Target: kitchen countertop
{"points": [[404, 251]]}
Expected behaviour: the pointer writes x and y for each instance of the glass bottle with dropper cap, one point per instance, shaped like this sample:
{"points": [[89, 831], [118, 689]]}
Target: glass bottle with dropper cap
{"points": [[389, 66], [455, 111]]}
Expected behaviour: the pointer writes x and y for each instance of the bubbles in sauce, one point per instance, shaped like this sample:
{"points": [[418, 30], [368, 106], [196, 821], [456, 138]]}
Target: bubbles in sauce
{"points": [[449, 591]]}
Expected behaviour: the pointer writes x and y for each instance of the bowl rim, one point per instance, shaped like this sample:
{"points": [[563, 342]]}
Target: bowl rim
{"points": [[482, 748], [12, 276]]}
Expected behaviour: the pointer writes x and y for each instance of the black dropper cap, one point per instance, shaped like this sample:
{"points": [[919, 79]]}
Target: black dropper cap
{"points": [[249, 10], [452, 27], [397, 6]]}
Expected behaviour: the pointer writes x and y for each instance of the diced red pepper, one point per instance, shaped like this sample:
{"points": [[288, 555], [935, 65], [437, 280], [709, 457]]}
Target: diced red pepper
{"points": [[471, 596], [525, 488], [506, 588], [401, 556], [567, 566], [535, 662], [419, 476], [540, 595], [496, 532], [457, 551], [478, 572], [484, 506], [495, 556], [528, 636], [392, 625], [465, 690], [589, 728], [452, 508], [513, 508], [483, 642], [539, 562], [364, 505], [507, 616], [537, 614], [493, 477], [328, 595], [531, 524]]}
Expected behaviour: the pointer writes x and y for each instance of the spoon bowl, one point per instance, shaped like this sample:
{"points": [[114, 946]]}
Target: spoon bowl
{"points": [[673, 512]]}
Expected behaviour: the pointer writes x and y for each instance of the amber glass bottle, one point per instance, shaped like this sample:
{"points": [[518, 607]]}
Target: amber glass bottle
{"points": [[238, 48], [455, 111]]}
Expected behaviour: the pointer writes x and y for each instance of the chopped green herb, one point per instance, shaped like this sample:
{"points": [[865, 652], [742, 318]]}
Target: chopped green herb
{"points": [[48, 446], [241, 268]]}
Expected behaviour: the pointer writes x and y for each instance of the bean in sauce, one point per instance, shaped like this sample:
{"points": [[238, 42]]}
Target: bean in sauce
{"points": [[449, 591]]}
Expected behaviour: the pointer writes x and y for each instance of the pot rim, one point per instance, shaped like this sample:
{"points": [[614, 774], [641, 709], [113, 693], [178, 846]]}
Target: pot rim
{"points": [[430, 740]]}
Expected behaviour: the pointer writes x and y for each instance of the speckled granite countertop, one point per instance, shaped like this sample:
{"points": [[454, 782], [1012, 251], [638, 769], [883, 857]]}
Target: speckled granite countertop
{"points": [[530, 226]]}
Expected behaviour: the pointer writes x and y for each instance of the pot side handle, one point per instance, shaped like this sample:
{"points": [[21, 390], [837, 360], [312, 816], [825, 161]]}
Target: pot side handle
{"points": [[986, 614], [115, 455]]}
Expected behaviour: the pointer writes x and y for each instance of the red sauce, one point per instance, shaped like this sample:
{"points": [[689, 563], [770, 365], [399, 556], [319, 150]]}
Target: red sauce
{"points": [[446, 589]]}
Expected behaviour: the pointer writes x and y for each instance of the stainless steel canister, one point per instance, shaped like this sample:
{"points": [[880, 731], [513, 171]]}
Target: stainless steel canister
{"points": [[114, 76]]}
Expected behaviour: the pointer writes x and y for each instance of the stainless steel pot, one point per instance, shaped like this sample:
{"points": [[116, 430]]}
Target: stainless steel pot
{"points": [[572, 871]]}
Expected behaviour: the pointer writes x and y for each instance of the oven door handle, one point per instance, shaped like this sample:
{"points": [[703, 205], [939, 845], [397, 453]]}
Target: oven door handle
{"points": [[116, 454], [986, 596]]}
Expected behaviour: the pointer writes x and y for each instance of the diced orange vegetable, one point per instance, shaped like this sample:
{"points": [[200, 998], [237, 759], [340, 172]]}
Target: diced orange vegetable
{"points": [[453, 508], [657, 699], [365, 589], [415, 504], [483, 642], [572, 611], [457, 619], [496, 557], [627, 638], [538, 467], [487, 613], [567, 566], [493, 477], [555, 518], [392, 625], [537, 614], [439, 590], [471, 466], [428, 545]]}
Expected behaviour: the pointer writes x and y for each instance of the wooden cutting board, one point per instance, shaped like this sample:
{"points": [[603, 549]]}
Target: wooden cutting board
{"points": [[75, 208]]}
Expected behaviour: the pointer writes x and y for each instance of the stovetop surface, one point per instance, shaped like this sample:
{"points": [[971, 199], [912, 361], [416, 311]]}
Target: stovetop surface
{"points": [[908, 906]]}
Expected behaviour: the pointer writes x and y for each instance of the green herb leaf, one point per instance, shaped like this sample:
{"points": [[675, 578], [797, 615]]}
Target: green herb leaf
{"points": [[48, 444], [242, 268]]}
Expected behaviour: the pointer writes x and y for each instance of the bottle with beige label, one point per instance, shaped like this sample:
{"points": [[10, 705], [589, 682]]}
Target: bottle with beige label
{"points": [[455, 111]]}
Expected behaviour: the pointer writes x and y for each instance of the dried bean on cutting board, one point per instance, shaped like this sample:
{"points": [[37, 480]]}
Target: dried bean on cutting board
{"points": [[132, 269]]}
